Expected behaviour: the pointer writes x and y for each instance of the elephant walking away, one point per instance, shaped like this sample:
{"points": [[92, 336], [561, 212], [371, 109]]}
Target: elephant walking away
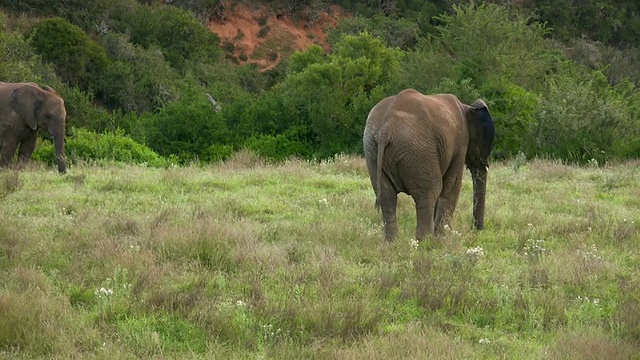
{"points": [[25, 108], [419, 144]]}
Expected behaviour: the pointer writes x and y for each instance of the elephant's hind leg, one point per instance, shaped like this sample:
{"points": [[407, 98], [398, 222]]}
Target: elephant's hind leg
{"points": [[388, 202], [7, 151], [448, 199], [425, 208], [26, 149]]}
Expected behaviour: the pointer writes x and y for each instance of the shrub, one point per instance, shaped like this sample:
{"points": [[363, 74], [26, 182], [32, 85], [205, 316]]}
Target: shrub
{"points": [[182, 38], [581, 120], [136, 79], [328, 100], [510, 47], [81, 111], [278, 147], [77, 58], [186, 128], [89, 146], [514, 109], [402, 33], [299, 60], [18, 58]]}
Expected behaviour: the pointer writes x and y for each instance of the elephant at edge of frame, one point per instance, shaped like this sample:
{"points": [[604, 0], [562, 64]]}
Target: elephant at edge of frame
{"points": [[419, 144], [25, 108]]}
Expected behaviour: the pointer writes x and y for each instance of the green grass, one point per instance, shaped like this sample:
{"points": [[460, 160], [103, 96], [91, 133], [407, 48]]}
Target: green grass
{"points": [[246, 260]]}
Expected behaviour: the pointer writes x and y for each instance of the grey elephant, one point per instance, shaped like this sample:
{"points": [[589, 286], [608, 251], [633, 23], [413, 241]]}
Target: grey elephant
{"points": [[25, 108], [419, 144]]}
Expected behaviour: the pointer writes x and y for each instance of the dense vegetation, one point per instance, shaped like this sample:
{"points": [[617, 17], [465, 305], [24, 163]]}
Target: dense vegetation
{"points": [[560, 76]]}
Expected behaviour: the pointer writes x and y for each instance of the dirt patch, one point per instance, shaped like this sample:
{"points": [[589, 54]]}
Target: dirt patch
{"points": [[255, 33]]}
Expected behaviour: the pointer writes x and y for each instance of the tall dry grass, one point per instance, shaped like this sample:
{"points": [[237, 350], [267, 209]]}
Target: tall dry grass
{"points": [[247, 259]]}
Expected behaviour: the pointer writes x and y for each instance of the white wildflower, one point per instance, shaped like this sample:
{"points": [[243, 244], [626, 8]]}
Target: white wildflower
{"points": [[103, 291], [414, 244], [475, 251], [534, 248]]}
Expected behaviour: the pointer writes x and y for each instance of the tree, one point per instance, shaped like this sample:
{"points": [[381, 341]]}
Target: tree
{"points": [[76, 57]]}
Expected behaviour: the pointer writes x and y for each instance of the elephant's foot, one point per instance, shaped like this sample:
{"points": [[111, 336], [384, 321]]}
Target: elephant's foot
{"points": [[390, 231]]}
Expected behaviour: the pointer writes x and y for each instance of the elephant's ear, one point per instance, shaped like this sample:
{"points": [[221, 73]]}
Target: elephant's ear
{"points": [[25, 101], [485, 129]]}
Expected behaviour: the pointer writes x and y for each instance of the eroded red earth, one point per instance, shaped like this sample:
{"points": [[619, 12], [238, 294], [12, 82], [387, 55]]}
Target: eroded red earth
{"points": [[260, 34]]}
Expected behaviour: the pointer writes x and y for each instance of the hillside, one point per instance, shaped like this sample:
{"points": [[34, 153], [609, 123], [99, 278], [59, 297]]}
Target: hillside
{"points": [[256, 33]]}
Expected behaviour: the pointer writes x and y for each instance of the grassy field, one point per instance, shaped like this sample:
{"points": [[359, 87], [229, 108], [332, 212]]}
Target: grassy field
{"points": [[244, 260]]}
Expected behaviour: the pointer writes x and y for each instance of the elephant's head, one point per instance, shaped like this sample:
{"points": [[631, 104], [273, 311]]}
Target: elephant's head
{"points": [[481, 134], [43, 108]]}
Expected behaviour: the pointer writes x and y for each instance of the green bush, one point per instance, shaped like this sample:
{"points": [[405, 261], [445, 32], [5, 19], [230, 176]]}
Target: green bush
{"points": [[74, 11], [88, 146], [278, 147], [19, 60], [485, 41], [186, 128], [299, 60], [77, 58], [82, 112], [402, 33], [180, 36], [136, 79], [329, 100], [581, 120], [514, 109]]}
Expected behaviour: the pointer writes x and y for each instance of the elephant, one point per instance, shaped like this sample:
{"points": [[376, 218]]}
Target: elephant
{"points": [[419, 144], [24, 109]]}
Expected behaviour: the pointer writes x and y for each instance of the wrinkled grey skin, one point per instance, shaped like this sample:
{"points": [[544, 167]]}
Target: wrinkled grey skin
{"points": [[25, 108], [419, 144]]}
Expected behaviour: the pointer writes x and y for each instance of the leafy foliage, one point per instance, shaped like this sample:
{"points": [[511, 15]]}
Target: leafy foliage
{"points": [[400, 33], [144, 69], [579, 121], [77, 58], [187, 128], [176, 32], [136, 79], [88, 146]]}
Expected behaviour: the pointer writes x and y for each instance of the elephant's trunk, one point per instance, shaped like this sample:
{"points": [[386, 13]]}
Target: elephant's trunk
{"points": [[58, 137], [479, 176]]}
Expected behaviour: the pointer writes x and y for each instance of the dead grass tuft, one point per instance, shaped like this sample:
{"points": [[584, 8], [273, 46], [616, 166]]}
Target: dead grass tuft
{"points": [[548, 170], [77, 180], [30, 278], [590, 346], [122, 226], [9, 182], [243, 159], [348, 164], [579, 266], [34, 322], [413, 341], [628, 312]]}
